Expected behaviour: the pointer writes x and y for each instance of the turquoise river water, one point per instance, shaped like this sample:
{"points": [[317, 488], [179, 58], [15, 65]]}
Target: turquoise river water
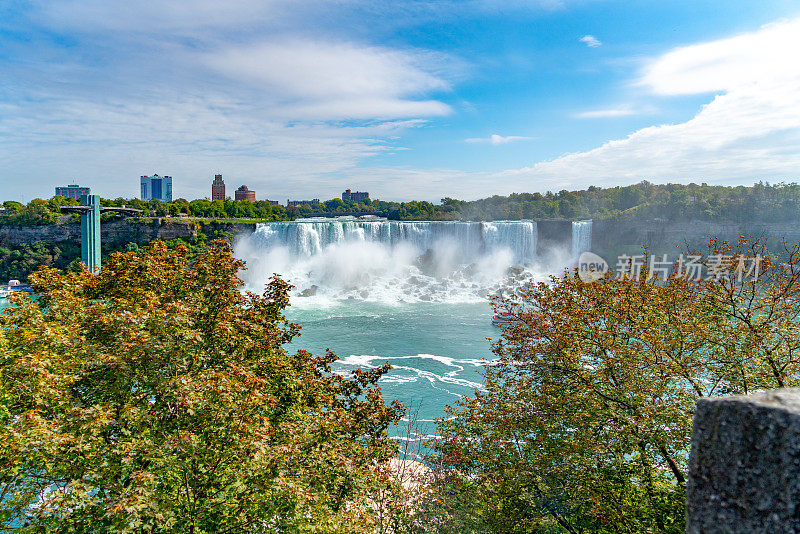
{"points": [[413, 294]]}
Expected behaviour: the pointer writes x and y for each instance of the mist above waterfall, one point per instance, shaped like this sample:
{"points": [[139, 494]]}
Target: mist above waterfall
{"points": [[394, 262]]}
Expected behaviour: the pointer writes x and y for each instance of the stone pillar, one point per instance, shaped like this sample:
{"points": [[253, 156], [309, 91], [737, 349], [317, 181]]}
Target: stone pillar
{"points": [[744, 465], [90, 233]]}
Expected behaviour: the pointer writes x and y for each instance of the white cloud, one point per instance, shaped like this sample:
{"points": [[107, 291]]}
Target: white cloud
{"points": [[605, 113], [168, 18], [334, 80], [497, 139], [591, 41], [749, 131], [108, 145], [753, 61], [182, 88], [197, 18]]}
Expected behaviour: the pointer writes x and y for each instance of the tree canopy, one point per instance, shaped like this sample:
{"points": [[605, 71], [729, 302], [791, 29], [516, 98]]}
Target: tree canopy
{"points": [[157, 397], [585, 421], [762, 202]]}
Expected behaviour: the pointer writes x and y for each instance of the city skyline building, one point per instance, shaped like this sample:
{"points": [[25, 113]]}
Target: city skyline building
{"points": [[156, 188], [243, 193], [73, 191], [355, 196], [218, 188], [311, 202]]}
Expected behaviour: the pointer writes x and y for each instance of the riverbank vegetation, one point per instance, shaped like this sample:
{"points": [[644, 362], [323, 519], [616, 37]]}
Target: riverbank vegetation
{"points": [[20, 261], [761, 202], [156, 397], [585, 422]]}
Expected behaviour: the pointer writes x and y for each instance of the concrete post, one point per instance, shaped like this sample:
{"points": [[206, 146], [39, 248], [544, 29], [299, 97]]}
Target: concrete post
{"points": [[744, 465], [90, 233]]}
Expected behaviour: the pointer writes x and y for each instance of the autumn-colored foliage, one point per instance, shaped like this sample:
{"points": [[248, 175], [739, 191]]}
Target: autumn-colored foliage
{"points": [[158, 397], [585, 421]]}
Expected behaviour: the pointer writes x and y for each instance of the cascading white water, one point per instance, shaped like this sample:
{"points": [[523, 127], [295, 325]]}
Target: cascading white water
{"points": [[308, 238], [389, 261], [581, 237]]}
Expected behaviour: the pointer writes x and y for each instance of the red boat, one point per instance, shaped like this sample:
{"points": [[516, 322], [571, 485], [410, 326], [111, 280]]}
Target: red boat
{"points": [[505, 319]]}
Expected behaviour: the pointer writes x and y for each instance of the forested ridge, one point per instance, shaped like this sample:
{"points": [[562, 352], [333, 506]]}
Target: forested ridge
{"points": [[763, 202]]}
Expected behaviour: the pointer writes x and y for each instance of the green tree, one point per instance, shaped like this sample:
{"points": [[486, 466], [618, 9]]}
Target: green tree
{"points": [[157, 397], [585, 421]]}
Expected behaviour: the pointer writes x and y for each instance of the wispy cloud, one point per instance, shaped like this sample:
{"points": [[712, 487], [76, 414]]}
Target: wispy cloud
{"points": [[765, 57], [292, 95], [497, 139], [605, 113], [336, 80], [750, 130], [591, 41], [183, 87]]}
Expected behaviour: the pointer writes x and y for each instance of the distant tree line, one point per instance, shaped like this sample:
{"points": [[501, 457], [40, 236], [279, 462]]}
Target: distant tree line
{"points": [[212, 209], [761, 202]]}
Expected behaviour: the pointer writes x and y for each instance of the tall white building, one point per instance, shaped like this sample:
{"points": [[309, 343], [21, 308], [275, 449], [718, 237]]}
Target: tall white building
{"points": [[157, 187]]}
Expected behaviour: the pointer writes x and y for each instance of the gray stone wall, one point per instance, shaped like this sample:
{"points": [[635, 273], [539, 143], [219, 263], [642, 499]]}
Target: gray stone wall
{"points": [[744, 465]]}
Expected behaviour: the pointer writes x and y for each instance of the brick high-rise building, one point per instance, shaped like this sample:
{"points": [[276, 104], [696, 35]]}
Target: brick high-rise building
{"points": [[217, 188], [245, 194], [355, 196]]}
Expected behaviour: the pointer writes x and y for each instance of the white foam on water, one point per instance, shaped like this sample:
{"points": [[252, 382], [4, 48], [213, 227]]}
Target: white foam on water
{"points": [[434, 379], [365, 360]]}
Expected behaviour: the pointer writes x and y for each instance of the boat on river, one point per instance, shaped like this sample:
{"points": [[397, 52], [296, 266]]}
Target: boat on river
{"points": [[14, 286], [505, 319]]}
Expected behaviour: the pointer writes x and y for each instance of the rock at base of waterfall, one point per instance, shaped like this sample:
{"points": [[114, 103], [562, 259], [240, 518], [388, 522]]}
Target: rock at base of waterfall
{"points": [[309, 292], [744, 465], [515, 270], [426, 262]]}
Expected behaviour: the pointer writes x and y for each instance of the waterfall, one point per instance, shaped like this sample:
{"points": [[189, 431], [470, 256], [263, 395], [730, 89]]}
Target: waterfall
{"points": [[581, 237], [390, 261], [309, 238]]}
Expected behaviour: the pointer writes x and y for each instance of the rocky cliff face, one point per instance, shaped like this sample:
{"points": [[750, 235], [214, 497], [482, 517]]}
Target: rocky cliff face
{"points": [[121, 230], [613, 237]]}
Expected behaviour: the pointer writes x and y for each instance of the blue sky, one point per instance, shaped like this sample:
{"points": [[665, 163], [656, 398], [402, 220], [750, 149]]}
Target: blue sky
{"points": [[408, 99]]}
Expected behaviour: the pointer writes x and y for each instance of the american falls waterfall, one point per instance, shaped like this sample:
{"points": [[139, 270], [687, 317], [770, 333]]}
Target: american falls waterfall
{"points": [[391, 261], [413, 294]]}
